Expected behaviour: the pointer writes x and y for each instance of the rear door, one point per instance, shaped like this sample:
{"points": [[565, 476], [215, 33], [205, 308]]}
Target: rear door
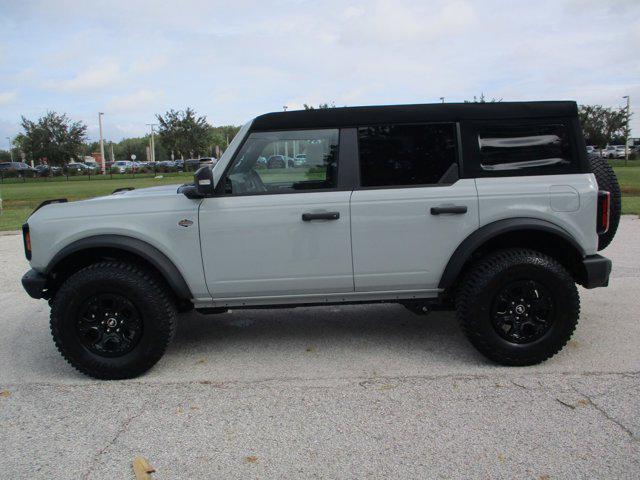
{"points": [[411, 210]]}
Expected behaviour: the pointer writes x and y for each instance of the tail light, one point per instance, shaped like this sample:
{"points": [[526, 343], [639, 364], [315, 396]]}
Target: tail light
{"points": [[26, 238], [604, 211]]}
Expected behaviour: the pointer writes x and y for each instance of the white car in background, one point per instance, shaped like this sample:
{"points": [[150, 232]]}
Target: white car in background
{"points": [[614, 151], [122, 166]]}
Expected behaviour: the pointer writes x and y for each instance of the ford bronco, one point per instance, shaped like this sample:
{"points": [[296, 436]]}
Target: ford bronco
{"points": [[494, 210]]}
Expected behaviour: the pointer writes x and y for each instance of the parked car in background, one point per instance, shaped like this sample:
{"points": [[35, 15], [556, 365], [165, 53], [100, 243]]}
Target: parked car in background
{"points": [[78, 168], [122, 166], [191, 164], [300, 160], [613, 151], [276, 161], [48, 170], [208, 160], [20, 169], [591, 149]]}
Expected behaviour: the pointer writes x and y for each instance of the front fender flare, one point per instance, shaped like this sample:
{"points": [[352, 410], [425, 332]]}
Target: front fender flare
{"points": [[131, 245], [487, 232]]}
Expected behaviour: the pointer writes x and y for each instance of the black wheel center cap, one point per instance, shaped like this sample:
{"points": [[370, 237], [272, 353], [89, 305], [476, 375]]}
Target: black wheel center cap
{"points": [[520, 309], [112, 322]]}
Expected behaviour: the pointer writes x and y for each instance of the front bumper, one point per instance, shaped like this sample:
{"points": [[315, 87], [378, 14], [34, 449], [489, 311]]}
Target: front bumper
{"points": [[596, 271], [35, 284]]}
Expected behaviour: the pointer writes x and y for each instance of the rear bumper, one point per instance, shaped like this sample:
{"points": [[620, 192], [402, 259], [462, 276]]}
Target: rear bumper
{"points": [[35, 284], [596, 271]]}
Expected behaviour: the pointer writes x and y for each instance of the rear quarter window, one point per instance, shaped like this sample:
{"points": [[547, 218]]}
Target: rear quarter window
{"points": [[518, 148]]}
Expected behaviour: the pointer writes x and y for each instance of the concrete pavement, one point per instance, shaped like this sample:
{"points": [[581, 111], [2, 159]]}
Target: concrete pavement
{"points": [[329, 392]]}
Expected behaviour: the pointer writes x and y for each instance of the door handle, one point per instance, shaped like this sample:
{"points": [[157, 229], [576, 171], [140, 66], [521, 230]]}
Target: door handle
{"points": [[307, 217], [451, 209]]}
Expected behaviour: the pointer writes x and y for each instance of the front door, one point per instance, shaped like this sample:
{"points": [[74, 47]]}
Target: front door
{"points": [[282, 228]]}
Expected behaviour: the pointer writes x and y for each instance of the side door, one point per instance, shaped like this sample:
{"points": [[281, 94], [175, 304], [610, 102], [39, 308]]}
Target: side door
{"points": [[279, 230], [411, 210]]}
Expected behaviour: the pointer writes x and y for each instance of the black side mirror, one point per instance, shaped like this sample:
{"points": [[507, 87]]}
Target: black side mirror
{"points": [[203, 180], [202, 184]]}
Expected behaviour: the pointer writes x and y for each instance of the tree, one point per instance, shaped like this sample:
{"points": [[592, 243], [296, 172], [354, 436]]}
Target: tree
{"points": [[183, 132], [602, 125], [221, 137], [483, 99], [320, 106], [53, 137], [5, 156]]}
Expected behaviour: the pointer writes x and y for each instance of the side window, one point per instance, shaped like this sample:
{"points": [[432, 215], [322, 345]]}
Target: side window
{"points": [[272, 162], [406, 154], [524, 147]]}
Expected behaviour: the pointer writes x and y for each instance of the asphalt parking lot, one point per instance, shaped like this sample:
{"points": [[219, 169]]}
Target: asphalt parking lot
{"points": [[328, 392]]}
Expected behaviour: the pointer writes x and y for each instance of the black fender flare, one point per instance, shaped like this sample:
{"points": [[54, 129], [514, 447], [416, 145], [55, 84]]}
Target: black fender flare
{"points": [[487, 232], [131, 245]]}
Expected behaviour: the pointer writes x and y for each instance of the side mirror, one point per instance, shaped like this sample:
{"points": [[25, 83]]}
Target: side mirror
{"points": [[203, 180], [202, 184]]}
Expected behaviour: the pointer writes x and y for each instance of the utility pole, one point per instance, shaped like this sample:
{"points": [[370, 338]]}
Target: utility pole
{"points": [[626, 133], [104, 160], [10, 148], [152, 145]]}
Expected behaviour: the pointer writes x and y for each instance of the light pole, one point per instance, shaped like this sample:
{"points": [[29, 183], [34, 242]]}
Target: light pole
{"points": [[10, 148], [104, 160], [153, 143], [442, 99], [626, 133]]}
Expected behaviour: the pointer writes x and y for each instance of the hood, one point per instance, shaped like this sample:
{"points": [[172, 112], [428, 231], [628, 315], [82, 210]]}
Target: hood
{"points": [[148, 191]]}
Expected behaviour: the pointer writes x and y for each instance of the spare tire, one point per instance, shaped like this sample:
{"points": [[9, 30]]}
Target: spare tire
{"points": [[607, 180]]}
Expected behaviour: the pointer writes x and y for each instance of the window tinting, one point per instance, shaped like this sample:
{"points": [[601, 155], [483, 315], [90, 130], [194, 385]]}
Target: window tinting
{"points": [[405, 154], [516, 147], [282, 162]]}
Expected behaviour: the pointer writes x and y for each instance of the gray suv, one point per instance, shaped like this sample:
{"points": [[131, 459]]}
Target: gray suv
{"points": [[494, 210]]}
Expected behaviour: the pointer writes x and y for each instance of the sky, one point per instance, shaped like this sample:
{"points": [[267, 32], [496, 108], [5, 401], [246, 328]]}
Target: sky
{"points": [[231, 61]]}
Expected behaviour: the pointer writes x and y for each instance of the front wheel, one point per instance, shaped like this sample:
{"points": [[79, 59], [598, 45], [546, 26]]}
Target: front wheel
{"points": [[518, 307], [113, 320]]}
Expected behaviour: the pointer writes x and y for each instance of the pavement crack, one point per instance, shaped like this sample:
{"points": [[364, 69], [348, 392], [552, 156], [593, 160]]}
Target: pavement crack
{"points": [[605, 414], [123, 429]]}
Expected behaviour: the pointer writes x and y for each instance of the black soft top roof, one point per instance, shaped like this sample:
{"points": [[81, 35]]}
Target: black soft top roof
{"points": [[430, 112]]}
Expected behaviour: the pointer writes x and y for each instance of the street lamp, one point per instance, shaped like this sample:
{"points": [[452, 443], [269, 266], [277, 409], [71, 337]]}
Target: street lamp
{"points": [[10, 148], [104, 161], [442, 99], [626, 133]]}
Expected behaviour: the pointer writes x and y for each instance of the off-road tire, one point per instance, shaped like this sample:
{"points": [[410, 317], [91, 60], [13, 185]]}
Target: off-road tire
{"points": [[608, 181], [480, 287], [144, 289]]}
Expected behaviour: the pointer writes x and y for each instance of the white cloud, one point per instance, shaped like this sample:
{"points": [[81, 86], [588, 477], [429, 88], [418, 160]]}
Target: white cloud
{"points": [[95, 77], [234, 61], [138, 101], [7, 97]]}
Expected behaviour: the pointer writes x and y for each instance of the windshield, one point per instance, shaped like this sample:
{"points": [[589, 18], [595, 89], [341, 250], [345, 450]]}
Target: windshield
{"points": [[230, 151]]}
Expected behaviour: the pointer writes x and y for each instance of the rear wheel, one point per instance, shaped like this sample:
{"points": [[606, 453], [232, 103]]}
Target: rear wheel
{"points": [[607, 180], [518, 307], [113, 320]]}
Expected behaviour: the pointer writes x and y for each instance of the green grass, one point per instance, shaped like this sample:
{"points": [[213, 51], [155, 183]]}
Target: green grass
{"points": [[629, 178], [19, 199]]}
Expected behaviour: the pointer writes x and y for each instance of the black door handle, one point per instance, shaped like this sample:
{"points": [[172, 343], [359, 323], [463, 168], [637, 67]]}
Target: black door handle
{"points": [[455, 209], [307, 217]]}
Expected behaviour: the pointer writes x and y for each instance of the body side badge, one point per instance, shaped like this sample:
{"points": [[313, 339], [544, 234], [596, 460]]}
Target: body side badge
{"points": [[185, 222]]}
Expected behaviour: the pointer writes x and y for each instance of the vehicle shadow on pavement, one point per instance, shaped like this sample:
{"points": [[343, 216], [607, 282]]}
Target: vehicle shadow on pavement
{"points": [[353, 338]]}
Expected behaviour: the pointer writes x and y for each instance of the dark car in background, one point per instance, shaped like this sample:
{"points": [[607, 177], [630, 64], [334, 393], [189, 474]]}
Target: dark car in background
{"points": [[44, 170], [19, 169]]}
